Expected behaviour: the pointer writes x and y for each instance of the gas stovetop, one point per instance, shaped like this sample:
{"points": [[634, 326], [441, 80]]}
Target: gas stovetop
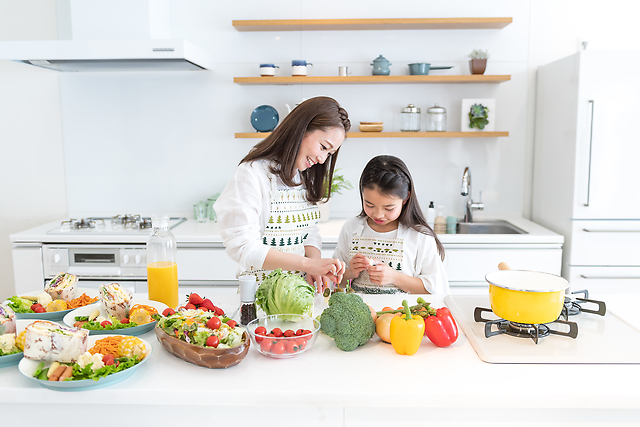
{"points": [[599, 339], [119, 224]]}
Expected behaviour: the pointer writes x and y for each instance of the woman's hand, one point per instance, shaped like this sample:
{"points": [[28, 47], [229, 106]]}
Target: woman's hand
{"points": [[381, 274], [321, 270]]}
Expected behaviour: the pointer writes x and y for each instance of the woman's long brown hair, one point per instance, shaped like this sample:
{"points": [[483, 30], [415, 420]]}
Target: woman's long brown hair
{"points": [[283, 145], [389, 175]]}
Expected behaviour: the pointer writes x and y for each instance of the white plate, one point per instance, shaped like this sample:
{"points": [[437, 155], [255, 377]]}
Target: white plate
{"points": [[28, 367], [69, 318], [56, 315]]}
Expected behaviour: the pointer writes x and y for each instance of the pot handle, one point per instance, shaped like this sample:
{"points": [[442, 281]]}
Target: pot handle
{"points": [[503, 266]]}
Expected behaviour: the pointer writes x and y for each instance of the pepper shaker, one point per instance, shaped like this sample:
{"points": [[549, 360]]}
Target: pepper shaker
{"points": [[248, 310]]}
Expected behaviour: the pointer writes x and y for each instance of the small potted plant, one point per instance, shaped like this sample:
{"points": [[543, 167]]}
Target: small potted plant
{"points": [[338, 184], [478, 62], [478, 116]]}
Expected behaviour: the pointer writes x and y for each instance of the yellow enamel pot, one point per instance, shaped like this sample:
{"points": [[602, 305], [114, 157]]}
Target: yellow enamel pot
{"points": [[526, 296]]}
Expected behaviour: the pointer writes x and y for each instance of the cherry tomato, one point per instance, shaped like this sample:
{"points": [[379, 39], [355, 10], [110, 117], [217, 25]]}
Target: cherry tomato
{"points": [[300, 332], [266, 345], [260, 330], [258, 339], [125, 321], [388, 309], [35, 305], [213, 341], [203, 308], [40, 309], [289, 333], [214, 323], [168, 312], [277, 332], [190, 306], [232, 323], [290, 346], [180, 308], [301, 343], [278, 348], [108, 359], [105, 323]]}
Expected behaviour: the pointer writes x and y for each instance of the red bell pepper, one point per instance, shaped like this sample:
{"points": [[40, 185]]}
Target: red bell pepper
{"points": [[441, 329]]}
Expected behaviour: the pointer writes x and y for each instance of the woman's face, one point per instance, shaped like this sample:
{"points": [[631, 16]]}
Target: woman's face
{"points": [[316, 146], [382, 209]]}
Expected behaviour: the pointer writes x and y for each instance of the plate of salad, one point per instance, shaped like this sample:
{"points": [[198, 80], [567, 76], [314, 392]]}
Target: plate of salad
{"points": [[93, 369], [24, 305], [142, 318]]}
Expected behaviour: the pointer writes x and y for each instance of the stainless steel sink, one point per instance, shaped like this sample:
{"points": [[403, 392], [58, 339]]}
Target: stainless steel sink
{"points": [[489, 227]]}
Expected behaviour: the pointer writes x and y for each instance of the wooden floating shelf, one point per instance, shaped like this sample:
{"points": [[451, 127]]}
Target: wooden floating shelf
{"points": [[372, 24], [398, 134], [314, 80]]}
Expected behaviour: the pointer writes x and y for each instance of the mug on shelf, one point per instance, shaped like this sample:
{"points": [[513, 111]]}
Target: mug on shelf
{"points": [[300, 67], [269, 70], [343, 71]]}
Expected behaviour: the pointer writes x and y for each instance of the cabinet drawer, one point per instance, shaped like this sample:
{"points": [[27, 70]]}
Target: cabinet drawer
{"points": [[205, 264], [604, 280], [605, 243], [471, 265]]}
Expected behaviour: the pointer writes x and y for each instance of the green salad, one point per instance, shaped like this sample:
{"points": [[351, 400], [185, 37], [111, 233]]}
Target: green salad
{"points": [[94, 325], [86, 372], [203, 329], [19, 305]]}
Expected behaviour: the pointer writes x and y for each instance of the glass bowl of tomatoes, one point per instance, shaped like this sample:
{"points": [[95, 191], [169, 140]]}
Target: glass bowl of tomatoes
{"points": [[283, 336]]}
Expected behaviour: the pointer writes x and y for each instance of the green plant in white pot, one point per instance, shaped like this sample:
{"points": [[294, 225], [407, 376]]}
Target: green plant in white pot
{"points": [[478, 62], [338, 183]]}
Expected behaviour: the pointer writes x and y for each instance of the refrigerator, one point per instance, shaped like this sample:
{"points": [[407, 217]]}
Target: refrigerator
{"points": [[586, 167]]}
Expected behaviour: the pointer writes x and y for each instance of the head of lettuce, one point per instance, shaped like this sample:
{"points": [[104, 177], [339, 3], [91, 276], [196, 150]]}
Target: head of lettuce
{"points": [[285, 293]]}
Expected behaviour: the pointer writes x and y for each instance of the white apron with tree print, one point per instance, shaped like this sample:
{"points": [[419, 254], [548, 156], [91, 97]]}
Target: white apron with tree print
{"points": [[291, 218], [387, 251]]}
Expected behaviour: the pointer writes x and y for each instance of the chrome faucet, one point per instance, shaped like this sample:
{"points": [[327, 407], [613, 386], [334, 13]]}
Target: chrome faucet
{"points": [[469, 205]]}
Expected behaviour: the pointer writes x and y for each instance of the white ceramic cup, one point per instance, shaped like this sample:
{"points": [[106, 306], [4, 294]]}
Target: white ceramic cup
{"points": [[343, 71], [301, 70], [269, 71]]}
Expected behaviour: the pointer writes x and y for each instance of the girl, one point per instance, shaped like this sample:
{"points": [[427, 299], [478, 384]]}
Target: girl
{"points": [[389, 247], [267, 213]]}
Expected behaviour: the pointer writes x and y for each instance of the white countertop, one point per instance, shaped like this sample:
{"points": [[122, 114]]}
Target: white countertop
{"points": [[208, 234], [371, 385]]}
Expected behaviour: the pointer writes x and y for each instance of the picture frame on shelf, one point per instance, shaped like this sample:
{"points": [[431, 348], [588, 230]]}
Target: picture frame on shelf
{"points": [[486, 124]]}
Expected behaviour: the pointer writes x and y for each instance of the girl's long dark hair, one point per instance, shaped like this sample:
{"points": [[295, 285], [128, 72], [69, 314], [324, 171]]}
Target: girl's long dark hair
{"points": [[283, 145], [389, 175]]}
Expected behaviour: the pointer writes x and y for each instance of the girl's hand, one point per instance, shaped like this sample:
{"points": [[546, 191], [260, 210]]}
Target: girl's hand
{"points": [[382, 274], [357, 264], [318, 282], [331, 269]]}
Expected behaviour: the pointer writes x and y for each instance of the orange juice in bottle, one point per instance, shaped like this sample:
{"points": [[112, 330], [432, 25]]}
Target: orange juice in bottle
{"points": [[162, 269]]}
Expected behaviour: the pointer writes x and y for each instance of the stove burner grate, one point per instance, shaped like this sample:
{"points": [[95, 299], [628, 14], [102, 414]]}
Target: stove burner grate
{"points": [[522, 330], [573, 307], [83, 223]]}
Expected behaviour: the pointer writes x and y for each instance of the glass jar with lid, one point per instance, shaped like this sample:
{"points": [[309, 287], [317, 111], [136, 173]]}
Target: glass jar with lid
{"points": [[410, 119], [436, 119]]}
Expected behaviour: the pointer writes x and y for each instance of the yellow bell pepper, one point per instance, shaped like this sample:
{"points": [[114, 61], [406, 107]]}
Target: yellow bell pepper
{"points": [[406, 332]]}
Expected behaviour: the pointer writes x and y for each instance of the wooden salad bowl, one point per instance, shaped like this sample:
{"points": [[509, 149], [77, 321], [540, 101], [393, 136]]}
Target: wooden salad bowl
{"points": [[208, 357]]}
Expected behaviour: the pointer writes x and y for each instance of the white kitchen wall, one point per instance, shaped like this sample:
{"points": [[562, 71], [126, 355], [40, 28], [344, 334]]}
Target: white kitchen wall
{"points": [[151, 141]]}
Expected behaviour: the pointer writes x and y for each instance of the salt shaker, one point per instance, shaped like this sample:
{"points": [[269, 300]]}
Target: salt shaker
{"points": [[436, 119], [248, 310], [410, 119]]}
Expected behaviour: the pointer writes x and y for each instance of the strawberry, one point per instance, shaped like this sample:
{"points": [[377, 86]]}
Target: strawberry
{"points": [[190, 306], [195, 299], [208, 304]]}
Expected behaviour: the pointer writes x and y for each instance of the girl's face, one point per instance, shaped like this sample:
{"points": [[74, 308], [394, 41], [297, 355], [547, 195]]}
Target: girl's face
{"points": [[316, 146], [383, 210]]}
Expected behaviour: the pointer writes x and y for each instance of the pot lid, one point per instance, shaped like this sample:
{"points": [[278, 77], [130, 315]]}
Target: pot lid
{"points": [[527, 281], [381, 58], [410, 109]]}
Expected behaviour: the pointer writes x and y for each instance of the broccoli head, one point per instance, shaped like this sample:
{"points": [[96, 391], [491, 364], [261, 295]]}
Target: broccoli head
{"points": [[347, 320]]}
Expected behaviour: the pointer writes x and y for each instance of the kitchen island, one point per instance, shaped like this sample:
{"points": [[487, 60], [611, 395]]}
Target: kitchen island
{"points": [[370, 386]]}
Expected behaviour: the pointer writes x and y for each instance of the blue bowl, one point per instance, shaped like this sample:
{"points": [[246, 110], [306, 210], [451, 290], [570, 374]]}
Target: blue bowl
{"points": [[264, 118]]}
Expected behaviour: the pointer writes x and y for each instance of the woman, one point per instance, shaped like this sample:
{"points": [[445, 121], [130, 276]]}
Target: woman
{"points": [[267, 213]]}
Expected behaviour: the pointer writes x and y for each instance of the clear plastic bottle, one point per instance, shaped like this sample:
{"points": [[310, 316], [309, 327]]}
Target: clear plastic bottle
{"points": [[431, 215], [162, 267]]}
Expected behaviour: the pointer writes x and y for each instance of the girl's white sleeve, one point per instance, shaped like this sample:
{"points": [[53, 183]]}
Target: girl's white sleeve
{"points": [[341, 251], [314, 239], [430, 267], [240, 209]]}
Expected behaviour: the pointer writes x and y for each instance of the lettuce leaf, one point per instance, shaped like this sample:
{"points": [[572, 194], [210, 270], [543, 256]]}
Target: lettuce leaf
{"points": [[20, 305], [285, 293]]}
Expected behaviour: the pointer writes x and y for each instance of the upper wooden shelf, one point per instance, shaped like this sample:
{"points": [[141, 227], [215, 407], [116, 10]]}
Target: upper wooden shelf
{"points": [[398, 134], [473, 78], [371, 24]]}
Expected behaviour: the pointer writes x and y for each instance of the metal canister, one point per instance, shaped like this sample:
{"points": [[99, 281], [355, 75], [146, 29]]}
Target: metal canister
{"points": [[436, 119], [410, 121]]}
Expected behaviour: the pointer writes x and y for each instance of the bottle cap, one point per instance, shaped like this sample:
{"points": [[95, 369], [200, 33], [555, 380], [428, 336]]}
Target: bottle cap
{"points": [[247, 288], [431, 205]]}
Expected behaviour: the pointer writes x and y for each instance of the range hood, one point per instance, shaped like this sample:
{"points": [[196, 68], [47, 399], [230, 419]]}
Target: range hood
{"points": [[108, 55]]}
